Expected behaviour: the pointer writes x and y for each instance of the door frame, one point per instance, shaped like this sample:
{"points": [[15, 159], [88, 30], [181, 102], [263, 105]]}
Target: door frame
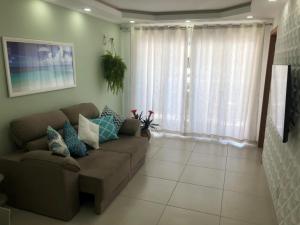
{"points": [[267, 87]]}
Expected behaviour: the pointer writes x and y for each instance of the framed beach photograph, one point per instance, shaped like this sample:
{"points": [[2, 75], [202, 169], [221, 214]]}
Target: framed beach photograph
{"points": [[34, 66]]}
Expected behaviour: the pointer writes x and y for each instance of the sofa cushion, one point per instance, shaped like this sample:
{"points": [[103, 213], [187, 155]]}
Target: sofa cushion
{"points": [[68, 163], [107, 128], [88, 110], [136, 147], [102, 171], [38, 144], [130, 127], [33, 127]]}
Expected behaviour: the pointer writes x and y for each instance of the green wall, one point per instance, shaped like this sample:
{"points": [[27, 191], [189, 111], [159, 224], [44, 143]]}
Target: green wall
{"points": [[35, 19]]}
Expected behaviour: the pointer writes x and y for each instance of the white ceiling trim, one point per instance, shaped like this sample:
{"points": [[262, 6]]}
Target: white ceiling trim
{"points": [[99, 10], [165, 6], [261, 9], [197, 15]]}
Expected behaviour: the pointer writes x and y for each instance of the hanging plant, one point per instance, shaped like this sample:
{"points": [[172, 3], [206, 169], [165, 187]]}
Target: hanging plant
{"points": [[114, 71]]}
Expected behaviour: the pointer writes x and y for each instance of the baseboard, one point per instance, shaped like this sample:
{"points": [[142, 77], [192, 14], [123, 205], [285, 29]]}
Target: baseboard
{"points": [[4, 216]]}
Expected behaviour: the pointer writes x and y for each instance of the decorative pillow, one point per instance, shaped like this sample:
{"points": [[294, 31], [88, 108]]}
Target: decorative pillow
{"points": [[107, 128], [118, 120], [56, 143], [88, 132], [76, 147]]}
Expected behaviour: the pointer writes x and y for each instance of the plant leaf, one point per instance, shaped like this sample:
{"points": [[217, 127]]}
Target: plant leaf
{"points": [[114, 71]]}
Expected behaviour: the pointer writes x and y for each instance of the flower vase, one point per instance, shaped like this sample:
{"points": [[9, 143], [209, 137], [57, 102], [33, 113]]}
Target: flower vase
{"points": [[146, 133]]}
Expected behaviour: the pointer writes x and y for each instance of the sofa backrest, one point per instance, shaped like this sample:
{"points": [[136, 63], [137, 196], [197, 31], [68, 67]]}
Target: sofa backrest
{"points": [[30, 132], [88, 110], [34, 127]]}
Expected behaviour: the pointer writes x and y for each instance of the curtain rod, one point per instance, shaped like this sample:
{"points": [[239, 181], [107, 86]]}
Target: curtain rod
{"points": [[138, 27], [233, 25]]}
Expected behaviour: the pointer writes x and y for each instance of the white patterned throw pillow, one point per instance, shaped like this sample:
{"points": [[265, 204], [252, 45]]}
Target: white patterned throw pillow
{"points": [[88, 132], [56, 143]]}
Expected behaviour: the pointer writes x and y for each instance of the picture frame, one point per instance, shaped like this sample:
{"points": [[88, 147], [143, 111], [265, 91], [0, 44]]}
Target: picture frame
{"points": [[36, 66]]}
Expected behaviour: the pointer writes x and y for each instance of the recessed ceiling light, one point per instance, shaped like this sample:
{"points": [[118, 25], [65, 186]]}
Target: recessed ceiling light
{"points": [[131, 21], [87, 9], [272, 0], [187, 21], [250, 17]]}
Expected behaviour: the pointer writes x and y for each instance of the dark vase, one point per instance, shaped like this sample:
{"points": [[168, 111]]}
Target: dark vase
{"points": [[146, 133]]}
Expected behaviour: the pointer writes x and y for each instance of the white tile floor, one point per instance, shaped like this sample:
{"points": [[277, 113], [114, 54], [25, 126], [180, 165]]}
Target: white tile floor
{"points": [[184, 183]]}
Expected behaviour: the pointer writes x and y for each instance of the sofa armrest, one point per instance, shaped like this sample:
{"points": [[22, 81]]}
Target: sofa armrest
{"points": [[130, 127], [67, 163]]}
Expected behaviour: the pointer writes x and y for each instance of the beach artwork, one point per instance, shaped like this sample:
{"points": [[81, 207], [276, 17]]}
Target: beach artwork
{"points": [[38, 66]]}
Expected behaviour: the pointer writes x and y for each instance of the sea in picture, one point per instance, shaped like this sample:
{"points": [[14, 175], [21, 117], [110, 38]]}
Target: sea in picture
{"points": [[38, 67]]}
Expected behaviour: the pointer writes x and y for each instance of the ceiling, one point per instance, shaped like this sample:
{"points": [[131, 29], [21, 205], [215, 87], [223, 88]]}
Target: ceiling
{"points": [[154, 6], [174, 11]]}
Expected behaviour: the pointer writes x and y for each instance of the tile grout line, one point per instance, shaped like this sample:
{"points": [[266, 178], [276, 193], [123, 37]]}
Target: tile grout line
{"points": [[173, 206], [198, 185], [140, 199], [159, 219], [184, 182], [177, 182], [194, 210], [158, 150], [179, 179], [165, 206], [228, 157], [240, 220], [220, 217]]}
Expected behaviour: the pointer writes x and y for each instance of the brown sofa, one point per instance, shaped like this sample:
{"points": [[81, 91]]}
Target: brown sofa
{"points": [[38, 181]]}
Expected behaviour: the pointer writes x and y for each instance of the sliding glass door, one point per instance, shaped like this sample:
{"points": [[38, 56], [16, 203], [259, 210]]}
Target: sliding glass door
{"points": [[199, 81]]}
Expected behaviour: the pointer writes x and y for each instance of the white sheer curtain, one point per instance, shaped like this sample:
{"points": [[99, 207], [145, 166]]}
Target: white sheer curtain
{"points": [[158, 81], [216, 94], [226, 65]]}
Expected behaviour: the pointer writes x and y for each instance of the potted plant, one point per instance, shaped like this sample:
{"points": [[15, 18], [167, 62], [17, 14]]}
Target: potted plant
{"points": [[114, 71], [146, 123]]}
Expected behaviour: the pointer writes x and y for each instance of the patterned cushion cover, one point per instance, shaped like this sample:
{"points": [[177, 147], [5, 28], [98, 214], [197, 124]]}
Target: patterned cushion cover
{"points": [[118, 120], [107, 128], [56, 143], [76, 147]]}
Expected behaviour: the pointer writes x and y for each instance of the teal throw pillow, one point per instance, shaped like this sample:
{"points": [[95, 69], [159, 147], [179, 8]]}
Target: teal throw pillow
{"points": [[76, 147], [56, 143], [107, 128]]}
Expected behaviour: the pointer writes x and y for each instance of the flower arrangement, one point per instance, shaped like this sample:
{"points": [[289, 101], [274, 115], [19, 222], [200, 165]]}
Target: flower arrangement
{"points": [[147, 122]]}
